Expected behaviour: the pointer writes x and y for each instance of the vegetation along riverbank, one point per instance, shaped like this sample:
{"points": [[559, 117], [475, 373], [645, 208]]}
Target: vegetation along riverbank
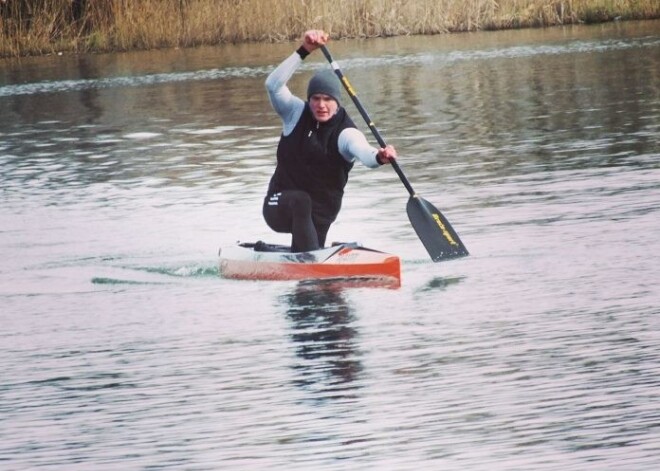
{"points": [[33, 27]]}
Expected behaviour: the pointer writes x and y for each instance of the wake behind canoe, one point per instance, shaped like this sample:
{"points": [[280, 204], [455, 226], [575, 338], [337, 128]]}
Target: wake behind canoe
{"points": [[260, 261]]}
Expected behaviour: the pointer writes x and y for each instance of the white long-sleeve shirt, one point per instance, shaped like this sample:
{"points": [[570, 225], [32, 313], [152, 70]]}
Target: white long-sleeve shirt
{"points": [[352, 143]]}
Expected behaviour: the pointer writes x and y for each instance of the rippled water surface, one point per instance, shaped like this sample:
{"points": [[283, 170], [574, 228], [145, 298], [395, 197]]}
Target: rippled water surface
{"points": [[122, 174]]}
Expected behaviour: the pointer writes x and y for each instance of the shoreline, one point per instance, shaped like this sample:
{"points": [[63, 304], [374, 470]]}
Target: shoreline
{"points": [[83, 26]]}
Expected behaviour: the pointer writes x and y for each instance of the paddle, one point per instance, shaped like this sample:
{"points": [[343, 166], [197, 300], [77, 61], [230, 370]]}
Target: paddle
{"points": [[433, 229]]}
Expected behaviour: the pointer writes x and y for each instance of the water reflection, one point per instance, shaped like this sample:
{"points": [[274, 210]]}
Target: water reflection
{"points": [[324, 338], [506, 106]]}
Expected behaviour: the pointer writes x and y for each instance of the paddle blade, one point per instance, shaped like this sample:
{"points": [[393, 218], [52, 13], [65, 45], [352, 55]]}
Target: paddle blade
{"points": [[433, 229]]}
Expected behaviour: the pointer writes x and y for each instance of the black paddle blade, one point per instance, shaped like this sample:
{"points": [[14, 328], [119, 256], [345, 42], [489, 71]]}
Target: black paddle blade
{"points": [[433, 229]]}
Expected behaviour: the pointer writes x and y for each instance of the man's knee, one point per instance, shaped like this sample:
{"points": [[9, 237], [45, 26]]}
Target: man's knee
{"points": [[300, 203]]}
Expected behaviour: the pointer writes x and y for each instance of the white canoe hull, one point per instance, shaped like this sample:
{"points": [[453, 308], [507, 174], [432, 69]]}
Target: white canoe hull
{"points": [[341, 261]]}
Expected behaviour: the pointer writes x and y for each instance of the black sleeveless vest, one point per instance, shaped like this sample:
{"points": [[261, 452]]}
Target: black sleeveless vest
{"points": [[308, 159]]}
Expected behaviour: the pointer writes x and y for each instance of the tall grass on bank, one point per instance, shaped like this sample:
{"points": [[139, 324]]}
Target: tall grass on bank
{"points": [[46, 26]]}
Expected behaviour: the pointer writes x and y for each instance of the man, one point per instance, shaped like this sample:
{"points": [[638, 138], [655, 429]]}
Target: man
{"points": [[317, 149]]}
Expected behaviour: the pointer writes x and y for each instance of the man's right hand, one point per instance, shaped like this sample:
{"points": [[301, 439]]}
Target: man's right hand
{"points": [[315, 38]]}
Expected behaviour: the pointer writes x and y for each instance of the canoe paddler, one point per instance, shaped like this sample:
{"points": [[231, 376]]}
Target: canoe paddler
{"points": [[317, 149]]}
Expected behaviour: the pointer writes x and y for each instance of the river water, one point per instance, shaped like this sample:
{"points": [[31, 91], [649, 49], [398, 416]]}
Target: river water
{"points": [[121, 347]]}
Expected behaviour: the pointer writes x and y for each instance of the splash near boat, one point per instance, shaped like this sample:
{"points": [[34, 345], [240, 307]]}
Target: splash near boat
{"points": [[262, 261]]}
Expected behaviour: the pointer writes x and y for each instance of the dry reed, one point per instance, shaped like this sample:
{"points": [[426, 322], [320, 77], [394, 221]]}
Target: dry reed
{"points": [[46, 26]]}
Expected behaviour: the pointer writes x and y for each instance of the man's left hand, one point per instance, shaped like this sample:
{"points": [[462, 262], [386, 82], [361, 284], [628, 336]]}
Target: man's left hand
{"points": [[386, 154]]}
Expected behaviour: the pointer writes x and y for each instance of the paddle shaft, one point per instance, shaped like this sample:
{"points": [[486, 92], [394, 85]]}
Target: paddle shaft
{"points": [[434, 230], [365, 115]]}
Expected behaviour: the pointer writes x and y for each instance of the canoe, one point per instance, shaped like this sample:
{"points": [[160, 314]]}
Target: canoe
{"points": [[261, 261]]}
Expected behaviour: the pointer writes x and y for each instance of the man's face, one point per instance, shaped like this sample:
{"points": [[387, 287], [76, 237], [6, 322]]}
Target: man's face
{"points": [[323, 107]]}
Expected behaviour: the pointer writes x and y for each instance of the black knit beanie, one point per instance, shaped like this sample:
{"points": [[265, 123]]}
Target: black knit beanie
{"points": [[325, 82]]}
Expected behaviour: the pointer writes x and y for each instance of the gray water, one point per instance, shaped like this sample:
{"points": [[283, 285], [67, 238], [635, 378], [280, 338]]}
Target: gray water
{"points": [[122, 175]]}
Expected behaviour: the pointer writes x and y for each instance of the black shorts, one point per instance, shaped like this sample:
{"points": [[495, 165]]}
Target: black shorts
{"points": [[291, 211]]}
